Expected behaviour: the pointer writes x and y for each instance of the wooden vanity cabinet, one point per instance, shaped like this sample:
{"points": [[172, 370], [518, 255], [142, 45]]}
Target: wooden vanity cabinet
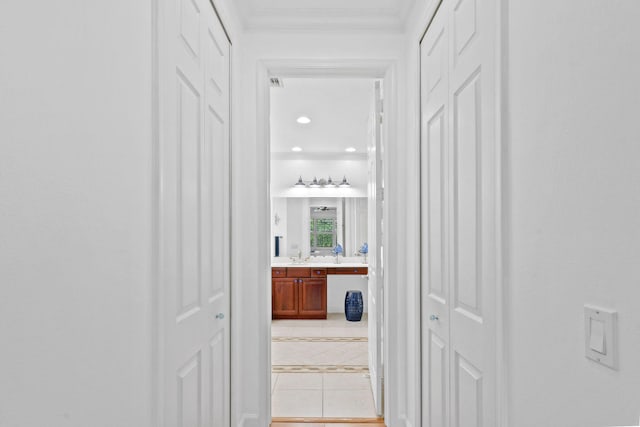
{"points": [[312, 298], [284, 298], [301, 294]]}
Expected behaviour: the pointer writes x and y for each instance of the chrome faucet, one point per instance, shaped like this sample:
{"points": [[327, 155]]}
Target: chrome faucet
{"points": [[299, 259]]}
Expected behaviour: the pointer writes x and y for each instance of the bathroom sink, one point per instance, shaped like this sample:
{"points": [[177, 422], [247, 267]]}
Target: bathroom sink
{"points": [[346, 264]]}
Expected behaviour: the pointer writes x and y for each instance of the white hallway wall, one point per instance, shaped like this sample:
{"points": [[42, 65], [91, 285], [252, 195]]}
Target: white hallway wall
{"points": [[75, 213], [250, 162], [575, 208]]}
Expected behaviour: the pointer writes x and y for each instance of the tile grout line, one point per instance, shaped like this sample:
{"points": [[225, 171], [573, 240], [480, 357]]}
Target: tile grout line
{"points": [[319, 339]]}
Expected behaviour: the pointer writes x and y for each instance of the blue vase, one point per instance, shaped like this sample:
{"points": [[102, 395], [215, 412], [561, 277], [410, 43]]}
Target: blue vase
{"points": [[353, 306]]}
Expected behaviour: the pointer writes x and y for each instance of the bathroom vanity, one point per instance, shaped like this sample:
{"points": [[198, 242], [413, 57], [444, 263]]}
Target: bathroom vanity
{"points": [[300, 291]]}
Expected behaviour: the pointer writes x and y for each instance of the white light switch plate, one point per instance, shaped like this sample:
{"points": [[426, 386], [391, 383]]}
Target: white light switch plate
{"points": [[600, 340]]}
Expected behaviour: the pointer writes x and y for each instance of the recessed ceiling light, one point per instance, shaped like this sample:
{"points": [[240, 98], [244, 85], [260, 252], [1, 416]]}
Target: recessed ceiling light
{"points": [[350, 150], [303, 120], [296, 149]]}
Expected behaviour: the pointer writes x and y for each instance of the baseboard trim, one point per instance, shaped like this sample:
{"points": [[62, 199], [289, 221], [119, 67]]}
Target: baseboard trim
{"points": [[249, 420]]}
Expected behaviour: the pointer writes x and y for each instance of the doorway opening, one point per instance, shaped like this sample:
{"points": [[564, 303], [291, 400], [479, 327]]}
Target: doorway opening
{"points": [[327, 303]]}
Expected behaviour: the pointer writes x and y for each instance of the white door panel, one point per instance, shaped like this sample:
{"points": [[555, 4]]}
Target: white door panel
{"points": [[458, 216], [195, 222], [438, 374], [435, 194]]}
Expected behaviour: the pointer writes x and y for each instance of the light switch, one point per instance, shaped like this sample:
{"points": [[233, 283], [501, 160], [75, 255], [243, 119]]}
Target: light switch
{"points": [[597, 341], [600, 335]]}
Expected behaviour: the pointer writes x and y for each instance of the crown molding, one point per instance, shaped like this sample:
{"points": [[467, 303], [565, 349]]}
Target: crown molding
{"points": [[258, 18]]}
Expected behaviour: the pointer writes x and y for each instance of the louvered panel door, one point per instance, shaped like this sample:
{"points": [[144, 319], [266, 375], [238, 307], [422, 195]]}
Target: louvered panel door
{"points": [[195, 222], [459, 215]]}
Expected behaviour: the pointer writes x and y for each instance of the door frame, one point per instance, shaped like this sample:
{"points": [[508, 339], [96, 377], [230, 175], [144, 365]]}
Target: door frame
{"points": [[297, 68], [502, 188]]}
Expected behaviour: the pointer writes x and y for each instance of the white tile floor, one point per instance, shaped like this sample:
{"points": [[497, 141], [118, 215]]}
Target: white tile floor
{"points": [[321, 394], [334, 326], [319, 353]]}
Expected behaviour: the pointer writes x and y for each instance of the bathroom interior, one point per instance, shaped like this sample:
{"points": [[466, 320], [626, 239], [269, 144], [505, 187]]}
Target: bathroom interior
{"points": [[326, 216]]}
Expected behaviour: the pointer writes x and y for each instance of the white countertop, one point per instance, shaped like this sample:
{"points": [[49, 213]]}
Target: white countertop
{"points": [[319, 264]]}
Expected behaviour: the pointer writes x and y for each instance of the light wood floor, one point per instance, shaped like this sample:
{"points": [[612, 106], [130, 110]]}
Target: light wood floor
{"points": [[327, 422], [328, 425]]}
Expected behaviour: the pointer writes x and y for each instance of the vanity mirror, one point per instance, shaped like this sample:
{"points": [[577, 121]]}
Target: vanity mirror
{"points": [[314, 226]]}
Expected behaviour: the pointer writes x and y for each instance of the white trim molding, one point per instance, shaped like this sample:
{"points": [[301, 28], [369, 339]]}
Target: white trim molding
{"points": [[395, 370], [503, 213]]}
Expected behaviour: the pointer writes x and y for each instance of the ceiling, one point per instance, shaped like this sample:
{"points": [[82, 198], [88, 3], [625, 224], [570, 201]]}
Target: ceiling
{"points": [[338, 108], [324, 15]]}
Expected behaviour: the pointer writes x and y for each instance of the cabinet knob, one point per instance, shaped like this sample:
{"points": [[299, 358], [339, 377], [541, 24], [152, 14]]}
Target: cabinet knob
{"points": [[220, 316]]}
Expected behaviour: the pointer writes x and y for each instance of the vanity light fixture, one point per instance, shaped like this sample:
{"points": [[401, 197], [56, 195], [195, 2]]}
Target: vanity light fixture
{"points": [[296, 149], [322, 183], [303, 120], [350, 150]]}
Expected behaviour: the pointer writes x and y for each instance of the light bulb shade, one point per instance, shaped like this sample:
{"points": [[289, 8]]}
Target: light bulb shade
{"points": [[345, 183], [300, 183], [314, 183], [330, 183]]}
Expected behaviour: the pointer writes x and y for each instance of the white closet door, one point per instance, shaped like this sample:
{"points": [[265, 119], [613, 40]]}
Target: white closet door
{"points": [[459, 215], [195, 222]]}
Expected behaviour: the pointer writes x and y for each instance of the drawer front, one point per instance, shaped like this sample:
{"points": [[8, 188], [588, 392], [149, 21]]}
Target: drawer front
{"points": [[298, 272], [318, 272], [278, 272], [349, 270]]}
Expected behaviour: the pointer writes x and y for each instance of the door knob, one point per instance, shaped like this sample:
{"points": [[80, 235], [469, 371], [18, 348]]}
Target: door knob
{"points": [[220, 316], [434, 317]]}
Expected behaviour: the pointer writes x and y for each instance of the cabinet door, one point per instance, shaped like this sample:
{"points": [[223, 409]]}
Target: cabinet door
{"points": [[284, 298], [312, 299]]}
